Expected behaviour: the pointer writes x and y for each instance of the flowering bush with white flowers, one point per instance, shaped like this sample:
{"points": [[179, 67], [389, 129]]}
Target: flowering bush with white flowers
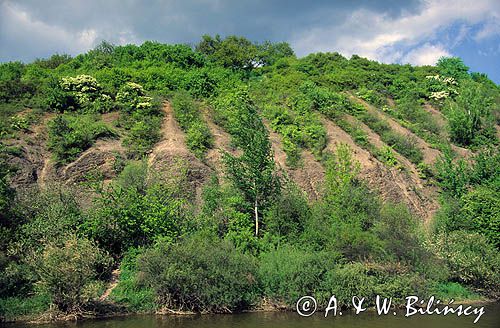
{"points": [[441, 87], [132, 97], [86, 94]]}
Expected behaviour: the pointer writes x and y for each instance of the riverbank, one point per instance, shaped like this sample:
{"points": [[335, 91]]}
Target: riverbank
{"points": [[282, 319], [108, 310]]}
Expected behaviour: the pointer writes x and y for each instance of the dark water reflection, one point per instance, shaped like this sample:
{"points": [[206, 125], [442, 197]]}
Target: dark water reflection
{"points": [[491, 319]]}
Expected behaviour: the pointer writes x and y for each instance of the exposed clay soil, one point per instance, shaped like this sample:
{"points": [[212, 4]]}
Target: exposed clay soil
{"points": [[430, 154], [393, 184], [171, 152], [310, 173], [396, 185]]}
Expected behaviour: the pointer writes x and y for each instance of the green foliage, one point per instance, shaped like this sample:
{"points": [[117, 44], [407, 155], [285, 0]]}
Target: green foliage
{"points": [[131, 291], [14, 308], [300, 128], [132, 97], [140, 207], [200, 274], [481, 208], [328, 102], [81, 93], [343, 219], [66, 269], [253, 172], [454, 67], [371, 96], [387, 156], [371, 279], [187, 113], [143, 134], [288, 273], [48, 215], [70, 135], [470, 258], [287, 216], [12, 86], [453, 290], [469, 116]]}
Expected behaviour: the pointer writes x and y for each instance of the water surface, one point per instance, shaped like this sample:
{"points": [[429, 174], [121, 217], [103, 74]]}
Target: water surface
{"points": [[491, 319]]}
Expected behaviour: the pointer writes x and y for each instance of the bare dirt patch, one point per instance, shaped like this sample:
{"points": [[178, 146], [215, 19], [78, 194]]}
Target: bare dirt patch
{"points": [[430, 154], [171, 151], [393, 184], [308, 176]]}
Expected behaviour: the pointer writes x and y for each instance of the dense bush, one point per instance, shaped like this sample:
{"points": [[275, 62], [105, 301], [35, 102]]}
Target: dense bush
{"points": [[289, 273], [469, 116], [143, 134], [70, 135], [139, 208], [200, 274], [66, 269], [470, 258], [82, 93]]}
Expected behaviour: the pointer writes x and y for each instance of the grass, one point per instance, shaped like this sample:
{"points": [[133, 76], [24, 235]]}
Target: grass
{"points": [[130, 292], [453, 290], [13, 308]]}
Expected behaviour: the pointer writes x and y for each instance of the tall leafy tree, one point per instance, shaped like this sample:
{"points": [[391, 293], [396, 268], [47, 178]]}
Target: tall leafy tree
{"points": [[254, 171]]}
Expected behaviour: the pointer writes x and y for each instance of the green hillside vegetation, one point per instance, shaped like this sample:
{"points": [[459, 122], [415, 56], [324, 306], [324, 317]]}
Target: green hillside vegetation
{"points": [[251, 233]]}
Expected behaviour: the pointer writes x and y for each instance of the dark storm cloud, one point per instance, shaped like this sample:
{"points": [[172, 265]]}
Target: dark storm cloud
{"points": [[418, 32], [31, 29]]}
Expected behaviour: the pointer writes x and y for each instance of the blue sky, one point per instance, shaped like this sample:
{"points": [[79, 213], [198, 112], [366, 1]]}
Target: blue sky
{"points": [[416, 32]]}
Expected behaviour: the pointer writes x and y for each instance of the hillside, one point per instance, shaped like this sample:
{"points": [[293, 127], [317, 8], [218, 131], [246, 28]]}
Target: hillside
{"points": [[246, 150]]}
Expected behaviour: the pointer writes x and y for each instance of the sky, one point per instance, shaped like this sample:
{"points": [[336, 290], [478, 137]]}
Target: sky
{"points": [[418, 32]]}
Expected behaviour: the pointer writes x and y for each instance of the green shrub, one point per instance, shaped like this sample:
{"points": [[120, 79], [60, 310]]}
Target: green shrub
{"points": [[131, 291], [70, 135], [66, 269], [453, 290], [386, 155], [288, 273], [405, 145], [140, 207], [470, 117], [14, 308], [481, 207], [142, 135], [471, 259], [132, 97], [368, 279], [287, 216], [81, 93], [199, 274]]}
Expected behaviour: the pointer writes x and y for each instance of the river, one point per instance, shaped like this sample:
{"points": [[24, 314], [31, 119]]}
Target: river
{"points": [[491, 319]]}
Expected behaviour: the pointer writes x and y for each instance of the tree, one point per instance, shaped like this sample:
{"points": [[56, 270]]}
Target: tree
{"points": [[269, 53], [232, 52], [469, 113], [453, 67], [253, 173]]}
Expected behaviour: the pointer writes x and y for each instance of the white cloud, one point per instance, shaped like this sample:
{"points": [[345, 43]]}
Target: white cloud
{"points": [[427, 54], [385, 37], [20, 26], [490, 29], [26, 33]]}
